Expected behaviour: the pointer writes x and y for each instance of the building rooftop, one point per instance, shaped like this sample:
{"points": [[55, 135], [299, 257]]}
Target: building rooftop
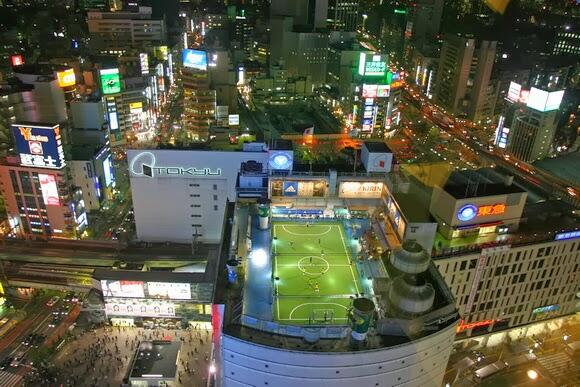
{"points": [[478, 183], [377, 147], [155, 359]]}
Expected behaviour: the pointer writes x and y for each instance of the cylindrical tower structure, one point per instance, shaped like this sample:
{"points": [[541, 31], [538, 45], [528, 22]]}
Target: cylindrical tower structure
{"points": [[263, 213], [361, 315]]}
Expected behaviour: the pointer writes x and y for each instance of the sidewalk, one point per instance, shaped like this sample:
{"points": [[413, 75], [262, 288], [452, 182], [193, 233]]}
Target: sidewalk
{"points": [[102, 357]]}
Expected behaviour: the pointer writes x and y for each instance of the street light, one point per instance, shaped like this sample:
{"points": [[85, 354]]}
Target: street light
{"points": [[532, 374], [364, 16]]}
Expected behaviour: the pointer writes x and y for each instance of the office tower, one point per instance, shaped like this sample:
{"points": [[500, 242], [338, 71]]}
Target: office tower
{"points": [[41, 201], [312, 13], [527, 126], [514, 261], [424, 21], [40, 98], [343, 15], [567, 43], [114, 32], [464, 77], [199, 100]]}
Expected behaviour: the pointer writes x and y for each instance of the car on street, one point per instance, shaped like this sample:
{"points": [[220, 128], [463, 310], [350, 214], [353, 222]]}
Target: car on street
{"points": [[17, 360], [54, 322], [6, 363], [53, 301]]}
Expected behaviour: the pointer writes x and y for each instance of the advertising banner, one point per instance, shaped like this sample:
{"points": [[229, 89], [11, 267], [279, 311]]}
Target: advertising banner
{"points": [[142, 308], [110, 81], [114, 288], [66, 78], [49, 189], [39, 146], [360, 190], [170, 290], [194, 59]]}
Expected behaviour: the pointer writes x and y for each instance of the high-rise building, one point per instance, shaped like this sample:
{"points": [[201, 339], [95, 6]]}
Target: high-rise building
{"points": [[44, 101], [115, 32], [424, 21], [311, 13], [527, 126], [464, 83], [343, 14], [567, 43], [514, 261], [41, 199], [199, 100]]}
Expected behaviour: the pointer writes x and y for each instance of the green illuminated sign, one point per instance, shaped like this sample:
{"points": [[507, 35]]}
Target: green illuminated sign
{"points": [[110, 81], [375, 66], [400, 11]]}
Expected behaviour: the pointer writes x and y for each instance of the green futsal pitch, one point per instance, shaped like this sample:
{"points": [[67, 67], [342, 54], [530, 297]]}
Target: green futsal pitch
{"points": [[316, 279]]}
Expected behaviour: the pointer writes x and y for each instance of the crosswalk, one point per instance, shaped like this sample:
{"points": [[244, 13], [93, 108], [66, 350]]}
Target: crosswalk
{"points": [[8, 379], [559, 365]]}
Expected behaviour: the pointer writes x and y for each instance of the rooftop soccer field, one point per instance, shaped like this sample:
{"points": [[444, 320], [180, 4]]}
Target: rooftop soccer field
{"points": [[316, 276]]}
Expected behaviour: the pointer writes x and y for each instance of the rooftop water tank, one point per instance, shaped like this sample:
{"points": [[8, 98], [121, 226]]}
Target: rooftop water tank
{"points": [[411, 295], [411, 258]]}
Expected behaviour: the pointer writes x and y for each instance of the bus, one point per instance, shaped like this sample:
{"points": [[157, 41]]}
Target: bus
{"points": [[490, 369], [517, 360]]}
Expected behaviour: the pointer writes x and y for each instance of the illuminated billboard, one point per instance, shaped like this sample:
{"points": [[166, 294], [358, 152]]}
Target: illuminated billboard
{"points": [[170, 290], [544, 101], [141, 308], [39, 146], [144, 62], [66, 78], [17, 60], [110, 81], [136, 107], [514, 91], [113, 288], [298, 188], [369, 91], [281, 160], [372, 65], [383, 91], [49, 189], [107, 168], [194, 59], [360, 190], [471, 211], [233, 119]]}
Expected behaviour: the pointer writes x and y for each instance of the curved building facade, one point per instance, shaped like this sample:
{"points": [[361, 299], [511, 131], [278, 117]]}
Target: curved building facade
{"points": [[419, 362]]}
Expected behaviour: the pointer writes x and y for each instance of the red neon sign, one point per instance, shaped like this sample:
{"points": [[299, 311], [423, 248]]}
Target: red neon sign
{"points": [[463, 327], [495, 209], [17, 60]]}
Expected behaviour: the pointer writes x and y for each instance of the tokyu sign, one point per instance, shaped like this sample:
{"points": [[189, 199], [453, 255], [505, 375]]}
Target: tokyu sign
{"points": [[471, 211], [144, 165]]}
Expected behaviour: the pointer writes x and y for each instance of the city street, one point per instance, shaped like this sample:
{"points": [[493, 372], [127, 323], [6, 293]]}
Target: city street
{"points": [[40, 320]]}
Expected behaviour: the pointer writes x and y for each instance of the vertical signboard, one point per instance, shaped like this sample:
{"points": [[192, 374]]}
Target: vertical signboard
{"points": [[110, 81], [39, 146]]}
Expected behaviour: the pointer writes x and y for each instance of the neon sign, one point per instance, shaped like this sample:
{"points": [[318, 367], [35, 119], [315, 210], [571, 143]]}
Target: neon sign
{"points": [[148, 168], [463, 327], [471, 211]]}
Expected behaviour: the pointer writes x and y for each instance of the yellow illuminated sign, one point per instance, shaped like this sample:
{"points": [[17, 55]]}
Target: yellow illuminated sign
{"points": [[66, 78]]}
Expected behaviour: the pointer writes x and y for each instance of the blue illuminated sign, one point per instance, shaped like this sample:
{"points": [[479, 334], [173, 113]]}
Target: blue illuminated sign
{"points": [[467, 212], [290, 188], [546, 309], [39, 146], [280, 160], [194, 59], [567, 235]]}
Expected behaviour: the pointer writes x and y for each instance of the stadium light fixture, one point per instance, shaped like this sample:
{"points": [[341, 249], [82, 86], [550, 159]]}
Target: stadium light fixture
{"points": [[259, 257]]}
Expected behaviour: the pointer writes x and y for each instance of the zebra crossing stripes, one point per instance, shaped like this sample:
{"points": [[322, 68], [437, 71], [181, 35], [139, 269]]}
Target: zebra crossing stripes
{"points": [[8, 379]]}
